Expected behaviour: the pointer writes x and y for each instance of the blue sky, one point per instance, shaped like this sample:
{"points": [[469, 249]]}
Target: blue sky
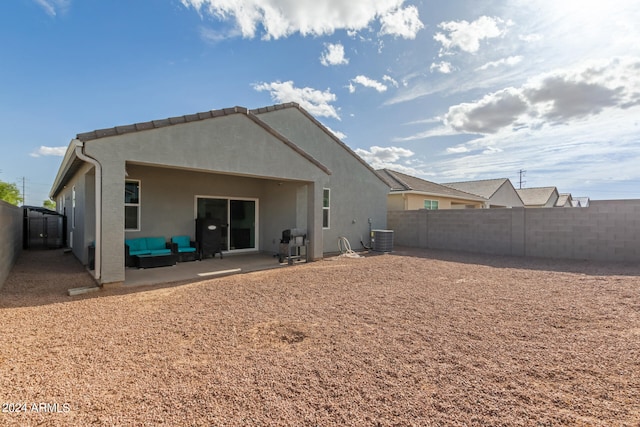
{"points": [[447, 91]]}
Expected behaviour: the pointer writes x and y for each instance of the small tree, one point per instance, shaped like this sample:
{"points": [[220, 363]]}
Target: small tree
{"points": [[49, 204], [10, 193]]}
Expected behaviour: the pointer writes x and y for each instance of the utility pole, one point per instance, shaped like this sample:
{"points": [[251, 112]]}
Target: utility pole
{"points": [[24, 197], [522, 174]]}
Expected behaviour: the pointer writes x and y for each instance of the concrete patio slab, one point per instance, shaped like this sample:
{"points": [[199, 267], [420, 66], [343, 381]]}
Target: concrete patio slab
{"points": [[201, 270]]}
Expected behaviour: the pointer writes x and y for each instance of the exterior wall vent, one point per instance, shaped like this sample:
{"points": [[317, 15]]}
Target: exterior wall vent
{"points": [[382, 240]]}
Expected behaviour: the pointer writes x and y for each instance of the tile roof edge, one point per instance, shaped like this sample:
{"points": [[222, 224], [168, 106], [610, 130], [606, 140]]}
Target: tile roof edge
{"points": [[160, 123], [477, 197], [394, 175]]}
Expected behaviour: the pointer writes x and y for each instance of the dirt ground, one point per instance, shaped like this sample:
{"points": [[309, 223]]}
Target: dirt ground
{"points": [[414, 338]]}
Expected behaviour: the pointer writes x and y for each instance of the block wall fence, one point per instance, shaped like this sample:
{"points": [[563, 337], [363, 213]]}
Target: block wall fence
{"points": [[11, 218], [607, 230]]}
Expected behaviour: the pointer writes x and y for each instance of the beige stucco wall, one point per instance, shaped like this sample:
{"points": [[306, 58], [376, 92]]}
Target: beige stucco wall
{"points": [[395, 202], [408, 201], [506, 196]]}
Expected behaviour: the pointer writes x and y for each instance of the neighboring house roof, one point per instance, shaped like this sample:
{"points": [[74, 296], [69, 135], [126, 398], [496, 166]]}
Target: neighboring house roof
{"points": [[538, 196], [564, 200], [400, 182], [581, 202], [485, 188]]}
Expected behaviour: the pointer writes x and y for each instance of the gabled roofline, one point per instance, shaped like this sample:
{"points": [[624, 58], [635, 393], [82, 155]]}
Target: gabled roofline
{"points": [[553, 189], [504, 182], [462, 195], [188, 118], [71, 161], [322, 127], [288, 142], [392, 176], [501, 180], [514, 189]]}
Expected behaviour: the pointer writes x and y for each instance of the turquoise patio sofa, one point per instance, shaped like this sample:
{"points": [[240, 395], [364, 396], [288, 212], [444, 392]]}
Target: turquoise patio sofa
{"points": [[145, 246], [185, 248]]}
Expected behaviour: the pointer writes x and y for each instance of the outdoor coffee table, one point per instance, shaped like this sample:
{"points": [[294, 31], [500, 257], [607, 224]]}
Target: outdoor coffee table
{"points": [[150, 261]]}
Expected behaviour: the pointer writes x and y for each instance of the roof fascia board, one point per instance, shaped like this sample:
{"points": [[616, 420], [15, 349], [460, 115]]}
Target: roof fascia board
{"points": [[447, 196], [61, 177]]}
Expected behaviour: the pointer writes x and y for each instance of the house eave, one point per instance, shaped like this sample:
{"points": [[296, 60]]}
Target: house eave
{"points": [[69, 166], [432, 194]]}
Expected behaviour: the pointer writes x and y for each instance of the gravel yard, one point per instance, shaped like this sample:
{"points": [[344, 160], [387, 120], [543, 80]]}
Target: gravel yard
{"points": [[411, 338]]}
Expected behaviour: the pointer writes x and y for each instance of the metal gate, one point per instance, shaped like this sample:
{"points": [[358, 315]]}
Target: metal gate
{"points": [[43, 229]]}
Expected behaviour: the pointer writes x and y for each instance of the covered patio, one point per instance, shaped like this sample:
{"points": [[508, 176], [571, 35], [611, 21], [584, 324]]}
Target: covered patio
{"points": [[201, 270], [251, 173]]}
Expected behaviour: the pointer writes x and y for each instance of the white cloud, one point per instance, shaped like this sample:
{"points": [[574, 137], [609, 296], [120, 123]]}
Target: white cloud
{"points": [[561, 96], [443, 67], [281, 18], [459, 149], [213, 37], [317, 103], [333, 55], [488, 115], [49, 151], [466, 36], [402, 22], [53, 7], [396, 158], [390, 79], [530, 38], [510, 61], [430, 133], [367, 82], [564, 156], [337, 133]]}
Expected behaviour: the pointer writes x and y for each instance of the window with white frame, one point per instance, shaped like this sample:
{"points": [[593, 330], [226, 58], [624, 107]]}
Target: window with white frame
{"points": [[431, 204], [132, 205], [326, 207], [73, 207]]}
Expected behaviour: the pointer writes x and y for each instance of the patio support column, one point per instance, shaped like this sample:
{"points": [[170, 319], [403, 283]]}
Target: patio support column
{"points": [[314, 220], [113, 176]]}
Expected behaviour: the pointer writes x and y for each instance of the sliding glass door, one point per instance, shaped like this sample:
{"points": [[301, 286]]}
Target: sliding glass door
{"points": [[237, 219]]}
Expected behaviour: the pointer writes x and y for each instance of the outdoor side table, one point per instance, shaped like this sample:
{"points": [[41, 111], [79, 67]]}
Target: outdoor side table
{"points": [[151, 261]]}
